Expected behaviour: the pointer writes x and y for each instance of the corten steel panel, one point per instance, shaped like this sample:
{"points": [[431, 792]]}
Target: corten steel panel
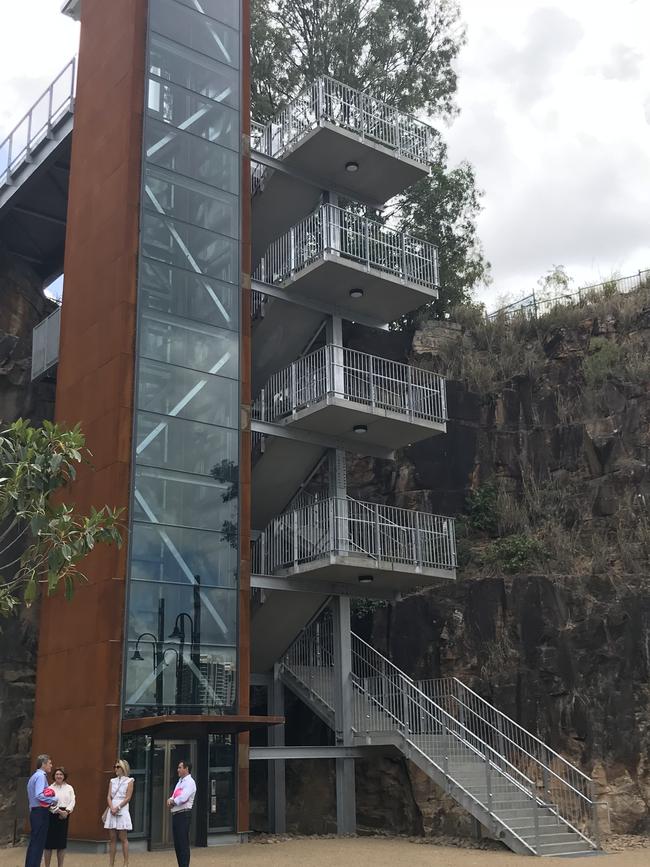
{"points": [[77, 716], [245, 439]]}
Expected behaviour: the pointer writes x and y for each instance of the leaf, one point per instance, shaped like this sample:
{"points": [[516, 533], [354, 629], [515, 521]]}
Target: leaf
{"points": [[30, 591]]}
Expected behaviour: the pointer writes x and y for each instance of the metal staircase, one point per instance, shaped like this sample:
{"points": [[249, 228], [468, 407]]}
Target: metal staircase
{"points": [[519, 789]]}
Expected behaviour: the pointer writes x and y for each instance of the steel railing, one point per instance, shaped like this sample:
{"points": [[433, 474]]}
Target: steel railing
{"points": [[331, 101], [45, 343], [37, 125], [337, 526], [385, 700], [532, 306], [335, 371], [338, 232], [559, 781]]}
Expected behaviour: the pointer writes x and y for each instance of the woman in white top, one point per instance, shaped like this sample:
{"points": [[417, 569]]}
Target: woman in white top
{"points": [[57, 832], [118, 818]]}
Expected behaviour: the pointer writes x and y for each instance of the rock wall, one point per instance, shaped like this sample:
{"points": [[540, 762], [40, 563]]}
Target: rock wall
{"points": [[22, 306], [550, 616]]}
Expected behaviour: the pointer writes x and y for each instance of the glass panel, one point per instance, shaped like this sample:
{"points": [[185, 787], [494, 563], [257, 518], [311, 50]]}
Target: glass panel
{"points": [[187, 111], [203, 681], [181, 614], [195, 31], [192, 202], [165, 497], [190, 155], [189, 247], [176, 391], [223, 10], [174, 290], [160, 553], [189, 344], [188, 446], [196, 72], [136, 749], [221, 783]]}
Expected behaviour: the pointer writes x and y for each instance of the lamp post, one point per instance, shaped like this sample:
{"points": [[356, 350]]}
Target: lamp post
{"points": [[178, 633], [155, 657]]}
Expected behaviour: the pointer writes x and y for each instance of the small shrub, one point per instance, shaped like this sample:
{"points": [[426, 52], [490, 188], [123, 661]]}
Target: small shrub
{"points": [[603, 361], [481, 508], [514, 553]]}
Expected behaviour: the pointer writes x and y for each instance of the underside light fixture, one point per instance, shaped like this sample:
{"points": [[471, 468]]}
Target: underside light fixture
{"points": [[360, 429], [352, 167], [357, 292], [365, 579]]}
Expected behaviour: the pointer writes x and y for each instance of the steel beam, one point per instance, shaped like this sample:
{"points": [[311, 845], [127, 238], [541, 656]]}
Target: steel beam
{"points": [[276, 773], [307, 436], [276, 754], [318, 306], [346, 813], [312, 180], [28, 212], [323, 588]]}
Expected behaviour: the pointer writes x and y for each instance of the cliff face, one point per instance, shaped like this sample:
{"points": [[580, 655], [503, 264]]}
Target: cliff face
{"points": [[546, 456], [22, 306]]}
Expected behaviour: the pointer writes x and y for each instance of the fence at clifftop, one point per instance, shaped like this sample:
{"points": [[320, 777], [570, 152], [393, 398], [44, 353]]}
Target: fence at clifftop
{"points": [[531, 306]]}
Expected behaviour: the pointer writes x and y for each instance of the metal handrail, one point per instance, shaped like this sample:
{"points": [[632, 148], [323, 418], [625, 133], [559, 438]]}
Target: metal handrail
{"points": [[338, 232], [524, 748], [35, 127], [386, 699], [342, 526], [329, 101], [335, 371]]}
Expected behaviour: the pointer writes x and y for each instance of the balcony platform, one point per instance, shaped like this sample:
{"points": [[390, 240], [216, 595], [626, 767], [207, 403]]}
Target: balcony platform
{"points": [[346, 569], [332, 277]]}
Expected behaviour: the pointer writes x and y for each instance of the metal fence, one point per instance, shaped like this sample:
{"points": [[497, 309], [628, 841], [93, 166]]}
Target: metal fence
{"points": [[45, 343], [531, 306], [355, 376], [336, 231], [555, 779], [330, 101], [47, 112], [338, 526]]}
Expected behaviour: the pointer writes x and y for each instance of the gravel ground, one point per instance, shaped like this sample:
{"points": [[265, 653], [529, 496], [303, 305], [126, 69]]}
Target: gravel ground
{"points": [[357, 852]]}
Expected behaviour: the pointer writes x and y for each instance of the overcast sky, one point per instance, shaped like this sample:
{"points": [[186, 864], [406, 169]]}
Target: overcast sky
{"points": [[555, 117]]}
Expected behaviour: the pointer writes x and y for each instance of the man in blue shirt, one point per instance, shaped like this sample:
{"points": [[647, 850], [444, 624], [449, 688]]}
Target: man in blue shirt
{"points": [[39, 812]]}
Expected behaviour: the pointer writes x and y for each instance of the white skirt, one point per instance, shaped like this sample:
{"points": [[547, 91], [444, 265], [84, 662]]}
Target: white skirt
{"points": [[121, 822]]}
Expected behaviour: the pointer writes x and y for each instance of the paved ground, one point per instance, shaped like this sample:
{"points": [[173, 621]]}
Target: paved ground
{"points": [[359, 852]]}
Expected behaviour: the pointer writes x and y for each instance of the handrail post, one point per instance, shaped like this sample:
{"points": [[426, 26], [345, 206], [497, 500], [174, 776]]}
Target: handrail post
{"points": [[377, 532], [488, 783], [294, 387], [595, 822], [295, 537], [405, 708], [409, 391], [536, 819], [403, 248], [373, 398], [320, 105]]}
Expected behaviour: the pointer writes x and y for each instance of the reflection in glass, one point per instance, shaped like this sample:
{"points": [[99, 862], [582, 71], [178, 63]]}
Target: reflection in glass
{"points": [[188, 294], [190, 155], [189, 446], [191, 201], [189, 344], [189, 247], [177, 391], [166, 497], [194, 30], [223, 10], [188, 111], [136, 749], [193, 71], [174, 554]]}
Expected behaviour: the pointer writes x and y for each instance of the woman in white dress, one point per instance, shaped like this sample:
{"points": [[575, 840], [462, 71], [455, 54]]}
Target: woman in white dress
{"points": [[118, 817]]}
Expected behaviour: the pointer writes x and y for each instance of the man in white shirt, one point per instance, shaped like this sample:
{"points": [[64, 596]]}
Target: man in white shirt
{"points": [[181, 803]]}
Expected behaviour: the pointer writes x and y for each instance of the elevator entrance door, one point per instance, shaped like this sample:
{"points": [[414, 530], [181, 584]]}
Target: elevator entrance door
{"points": [[164, 772]]}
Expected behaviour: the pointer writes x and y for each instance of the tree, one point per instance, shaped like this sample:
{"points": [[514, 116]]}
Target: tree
{"points": [[43, 540], [402, 51]]}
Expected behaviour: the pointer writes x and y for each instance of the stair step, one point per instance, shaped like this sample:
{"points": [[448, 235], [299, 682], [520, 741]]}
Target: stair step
{"points": [[522, 826], [548, 834], [579, 845]]}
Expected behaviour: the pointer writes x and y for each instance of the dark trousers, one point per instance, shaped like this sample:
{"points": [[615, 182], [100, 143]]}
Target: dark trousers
{"points": [[181, 833], [39, 820]]}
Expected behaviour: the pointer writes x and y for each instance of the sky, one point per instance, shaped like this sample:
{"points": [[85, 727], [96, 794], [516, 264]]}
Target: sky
{"points": [[554, 102]]}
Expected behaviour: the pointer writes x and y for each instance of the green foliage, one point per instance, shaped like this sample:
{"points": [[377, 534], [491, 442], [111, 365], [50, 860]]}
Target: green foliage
{"points": [[362, 608], [481, 508], [514, 553], [401, 51], [604, 360], [35, 463]]}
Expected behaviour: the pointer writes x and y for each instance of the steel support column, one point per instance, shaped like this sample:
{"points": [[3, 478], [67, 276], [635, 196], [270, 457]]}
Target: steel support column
{"points": [[277, 795], [346, 812]]}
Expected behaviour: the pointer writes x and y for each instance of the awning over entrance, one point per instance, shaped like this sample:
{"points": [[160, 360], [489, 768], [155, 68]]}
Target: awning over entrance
{"points": [[196, 724]]}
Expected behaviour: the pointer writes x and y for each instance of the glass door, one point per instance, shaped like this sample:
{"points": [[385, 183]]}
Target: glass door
{"points": [[166, 755]]}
